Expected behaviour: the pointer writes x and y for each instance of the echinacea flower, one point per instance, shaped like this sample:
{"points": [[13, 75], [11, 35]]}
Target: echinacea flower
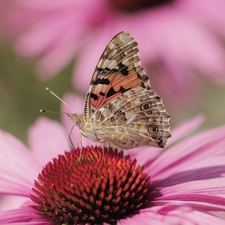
{"points": [[180, 38], [183, 185]]}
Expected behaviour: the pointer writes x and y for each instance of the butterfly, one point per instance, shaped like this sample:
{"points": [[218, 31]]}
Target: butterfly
{"points": [[120, 106]]}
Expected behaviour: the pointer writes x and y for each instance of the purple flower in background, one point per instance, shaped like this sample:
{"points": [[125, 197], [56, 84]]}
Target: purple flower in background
{"points": [[182, 185], [177, 38]]}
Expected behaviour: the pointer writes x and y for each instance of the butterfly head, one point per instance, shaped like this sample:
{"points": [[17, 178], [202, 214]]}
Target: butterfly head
{"points": [[77, 119]]}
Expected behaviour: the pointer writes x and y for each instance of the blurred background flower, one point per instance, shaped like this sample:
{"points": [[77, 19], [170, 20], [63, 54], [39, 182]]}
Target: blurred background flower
{"points": [[181, 47]]}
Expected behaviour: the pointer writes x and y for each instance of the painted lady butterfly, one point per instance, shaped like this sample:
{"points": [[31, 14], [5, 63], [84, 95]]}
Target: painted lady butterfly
{"points": [[120, 106]]}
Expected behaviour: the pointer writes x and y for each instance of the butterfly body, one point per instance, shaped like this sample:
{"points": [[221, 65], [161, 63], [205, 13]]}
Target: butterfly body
{"points": [[120, 106]]}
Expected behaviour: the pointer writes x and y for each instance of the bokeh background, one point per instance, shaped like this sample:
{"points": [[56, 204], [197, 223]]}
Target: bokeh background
{"points": [[57, 45]]}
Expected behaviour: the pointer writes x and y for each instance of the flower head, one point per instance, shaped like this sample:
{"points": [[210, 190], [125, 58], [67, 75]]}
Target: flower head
{"points": [[97, 187], [182, 185]]}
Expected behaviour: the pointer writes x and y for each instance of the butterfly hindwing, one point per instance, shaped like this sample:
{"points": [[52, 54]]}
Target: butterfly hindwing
{"points": [[117, 71], [138, 117]]}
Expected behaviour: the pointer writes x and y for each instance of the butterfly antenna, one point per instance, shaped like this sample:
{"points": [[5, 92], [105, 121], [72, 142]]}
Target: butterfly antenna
{"points": [[51, 92], [47, 111]]}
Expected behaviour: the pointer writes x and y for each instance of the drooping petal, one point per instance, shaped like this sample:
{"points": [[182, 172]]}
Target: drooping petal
{"points": [[171, 214], [9, 202], [15, 161], [191, 150], [23, 215], [185, 128]]}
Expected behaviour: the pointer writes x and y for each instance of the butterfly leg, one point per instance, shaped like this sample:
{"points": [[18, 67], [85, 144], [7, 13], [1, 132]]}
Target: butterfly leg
{"points": [[70, 139], [103, 145], [80, 144]]}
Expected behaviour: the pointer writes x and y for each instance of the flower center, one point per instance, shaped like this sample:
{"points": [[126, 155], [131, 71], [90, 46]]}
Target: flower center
{"points": [[134, 5], [100, 187]]}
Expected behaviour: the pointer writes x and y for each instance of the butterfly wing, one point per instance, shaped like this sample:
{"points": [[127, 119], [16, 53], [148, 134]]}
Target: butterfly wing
{"points": [[120, 106], [138, 117], [117, 72]]}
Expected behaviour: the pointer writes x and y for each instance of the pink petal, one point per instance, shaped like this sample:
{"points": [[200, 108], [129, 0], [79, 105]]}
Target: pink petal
{"points": [[47, 139], [185, 128], [196, 191], [15, 162], [191, 150], [171, 214], [210, 14], [24, 215], [15, 186], [48, 30], [178, 45], [8, 202]]}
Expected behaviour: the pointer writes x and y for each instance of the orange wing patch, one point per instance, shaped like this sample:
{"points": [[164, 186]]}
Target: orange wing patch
{"points": [[117, 84]]}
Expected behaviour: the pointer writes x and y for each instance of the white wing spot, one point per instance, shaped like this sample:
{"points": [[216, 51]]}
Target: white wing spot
{"points": [[103, 63], [125, 62], [123, 38], [136, 64], [112, 46], [113, 53], [113, 63]]}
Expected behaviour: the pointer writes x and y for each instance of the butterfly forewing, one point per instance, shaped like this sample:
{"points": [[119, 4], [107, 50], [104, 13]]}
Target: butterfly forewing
{"points": [[117, 71]]}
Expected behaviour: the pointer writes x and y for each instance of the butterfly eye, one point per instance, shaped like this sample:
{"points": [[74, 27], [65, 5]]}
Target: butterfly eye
{"points": [[153, 129], [145, 106]]}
